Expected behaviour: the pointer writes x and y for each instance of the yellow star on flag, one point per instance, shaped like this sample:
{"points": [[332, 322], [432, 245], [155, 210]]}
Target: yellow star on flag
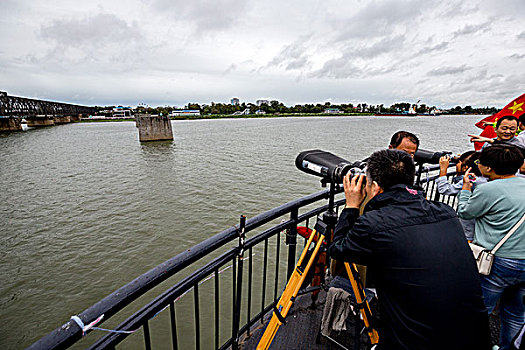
{"points": [[516, 107]]}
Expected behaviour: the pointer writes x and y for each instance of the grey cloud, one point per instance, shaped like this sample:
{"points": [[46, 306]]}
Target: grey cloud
{"points": [[298, 63], [339, 68], [435, 48], [521, 36], [351, 63], [206, 15], [448, 70], [98, 43], [383, 46], [344, 68], [481, 75], [293, 56], [10, 7], [458, 8], [377, 18], [516, 56], [472, 29], [484, 92], [98, 30], [230, 69]]}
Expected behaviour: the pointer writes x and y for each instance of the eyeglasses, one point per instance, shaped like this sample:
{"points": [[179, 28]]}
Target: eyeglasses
{"points": [[476, 162]]}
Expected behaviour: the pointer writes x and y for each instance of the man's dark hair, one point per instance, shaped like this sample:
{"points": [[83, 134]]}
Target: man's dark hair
{"points": [[398, 137], [391, 167], [506, 117], [470, 162], [503, 159], [522, 119]]}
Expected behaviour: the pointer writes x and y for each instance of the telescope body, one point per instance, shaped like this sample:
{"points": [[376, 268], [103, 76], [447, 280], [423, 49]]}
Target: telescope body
{"points": [[327, 165]]}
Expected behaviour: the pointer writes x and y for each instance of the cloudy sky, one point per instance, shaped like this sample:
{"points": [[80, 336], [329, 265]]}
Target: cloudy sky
{"points": [[171, 52]]}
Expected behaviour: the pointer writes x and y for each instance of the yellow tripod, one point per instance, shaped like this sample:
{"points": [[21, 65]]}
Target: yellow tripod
{"points": [[292, 288], [296, 281]]}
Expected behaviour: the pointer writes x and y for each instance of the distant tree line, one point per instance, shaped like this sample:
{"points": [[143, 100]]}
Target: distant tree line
{"points": [[276, 107], [471, 110]]}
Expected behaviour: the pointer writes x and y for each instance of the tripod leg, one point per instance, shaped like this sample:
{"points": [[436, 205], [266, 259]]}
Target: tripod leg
{"points": [[290, 292], [360, 297]]}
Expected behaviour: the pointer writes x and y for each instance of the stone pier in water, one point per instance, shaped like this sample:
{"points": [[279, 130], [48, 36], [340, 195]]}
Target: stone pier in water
{"points": [[39, 121], [154, 128], [10, 124]]}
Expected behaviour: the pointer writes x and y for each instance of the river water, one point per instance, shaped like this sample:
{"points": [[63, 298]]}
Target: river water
{"points": [[86, 208]]}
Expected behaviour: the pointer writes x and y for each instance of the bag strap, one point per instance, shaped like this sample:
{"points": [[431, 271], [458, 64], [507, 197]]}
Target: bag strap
{"points": [[507, 236]]}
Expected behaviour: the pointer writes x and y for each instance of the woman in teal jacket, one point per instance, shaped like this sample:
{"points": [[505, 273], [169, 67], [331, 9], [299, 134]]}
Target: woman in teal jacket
{"points": [[497, 206]]}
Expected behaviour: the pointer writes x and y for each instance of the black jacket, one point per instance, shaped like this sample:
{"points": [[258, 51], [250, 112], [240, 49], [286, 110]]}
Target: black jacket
{"points": [[426, 277]]}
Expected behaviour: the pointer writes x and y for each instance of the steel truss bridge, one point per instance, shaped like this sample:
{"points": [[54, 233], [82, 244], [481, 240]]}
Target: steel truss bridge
{"points": [[21, 107], [37, 112]]}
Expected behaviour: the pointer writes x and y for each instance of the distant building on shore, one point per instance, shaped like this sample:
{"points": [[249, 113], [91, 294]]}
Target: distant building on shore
{"points": [[332, 111], [262, 102], [122, 112], [245, 112], [183, 112], [235, 101], [119, 112]]}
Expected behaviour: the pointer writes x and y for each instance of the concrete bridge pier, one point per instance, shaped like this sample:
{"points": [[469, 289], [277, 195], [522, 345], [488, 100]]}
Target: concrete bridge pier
{"points": [[40, 121], [76, 118], [154, 128], [10, 124], [63, 119]]}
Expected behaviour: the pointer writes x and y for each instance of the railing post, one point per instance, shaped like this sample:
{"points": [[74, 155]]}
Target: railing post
{"points": [[240, 257], [418, 174], [291, 242], [436, 196]]}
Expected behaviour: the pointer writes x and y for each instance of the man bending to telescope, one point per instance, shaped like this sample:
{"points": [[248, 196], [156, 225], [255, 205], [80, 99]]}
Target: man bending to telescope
{"points": [[426, 278], [405, 141]]}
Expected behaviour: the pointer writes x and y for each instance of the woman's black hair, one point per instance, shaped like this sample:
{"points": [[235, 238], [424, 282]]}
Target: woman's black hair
{"points": [[470, 163], [465, 155], [503, 159]]}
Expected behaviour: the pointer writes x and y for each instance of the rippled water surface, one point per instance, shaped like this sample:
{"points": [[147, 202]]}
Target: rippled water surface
{"points": [[86, 208]]}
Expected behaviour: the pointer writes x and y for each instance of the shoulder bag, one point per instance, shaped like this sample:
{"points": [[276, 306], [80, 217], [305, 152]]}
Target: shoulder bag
{"points": [[484, 257]]}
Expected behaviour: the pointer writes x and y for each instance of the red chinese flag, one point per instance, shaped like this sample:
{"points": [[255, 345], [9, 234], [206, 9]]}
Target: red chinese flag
{"points": [[515, 108]]}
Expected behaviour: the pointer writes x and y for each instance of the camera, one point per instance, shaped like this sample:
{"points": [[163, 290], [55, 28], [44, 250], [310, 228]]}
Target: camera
{"points": [[330, 167]]}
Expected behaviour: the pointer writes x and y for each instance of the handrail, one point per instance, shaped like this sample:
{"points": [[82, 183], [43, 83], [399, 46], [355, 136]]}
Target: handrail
{"points": [[176, 291], [69, 333]]}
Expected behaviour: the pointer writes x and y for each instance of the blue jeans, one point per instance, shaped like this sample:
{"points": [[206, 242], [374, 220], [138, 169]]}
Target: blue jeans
{"points": [[506, 283]]}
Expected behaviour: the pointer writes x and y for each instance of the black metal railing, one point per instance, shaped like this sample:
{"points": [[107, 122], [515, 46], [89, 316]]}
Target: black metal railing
{"points": [[426, 178], [213, 318]]}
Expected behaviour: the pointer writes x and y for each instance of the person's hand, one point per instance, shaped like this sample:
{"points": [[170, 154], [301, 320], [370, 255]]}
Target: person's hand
{"points": [[479, 138], [467, 185], [444, 161], [354, 190]]}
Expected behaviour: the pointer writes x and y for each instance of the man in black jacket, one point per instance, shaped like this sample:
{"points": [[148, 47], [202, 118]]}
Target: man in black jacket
{"points": [[426, 278]]}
